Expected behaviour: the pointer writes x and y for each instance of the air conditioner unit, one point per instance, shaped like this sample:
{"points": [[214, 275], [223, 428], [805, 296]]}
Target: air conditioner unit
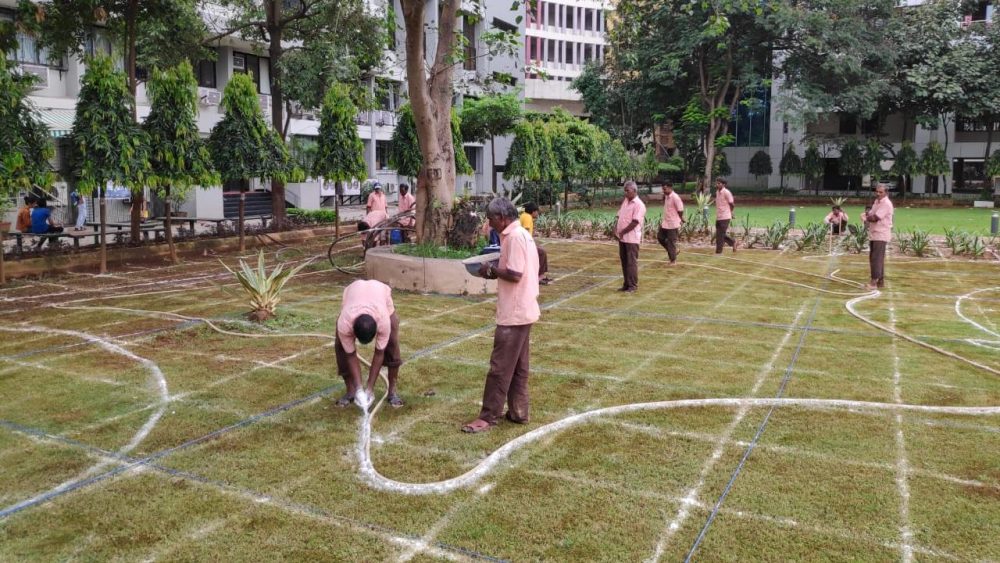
{"points": [[42, 72], [239, 61], [209, 96], [265, 102]]}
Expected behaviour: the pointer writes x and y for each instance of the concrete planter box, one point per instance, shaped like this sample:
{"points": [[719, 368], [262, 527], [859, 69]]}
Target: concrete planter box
{"points": [[426, 275]]}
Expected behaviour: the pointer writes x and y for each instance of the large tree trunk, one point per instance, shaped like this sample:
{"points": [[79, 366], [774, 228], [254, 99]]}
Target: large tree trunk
{"points": [[103, 202], [138, 195], [167, 227], [430, 98], [277, 104], [715, 99]]}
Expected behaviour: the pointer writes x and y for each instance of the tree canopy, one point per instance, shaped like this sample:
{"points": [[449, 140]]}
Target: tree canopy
{"points": [[404, 154], [25, 144], [340, 151]]}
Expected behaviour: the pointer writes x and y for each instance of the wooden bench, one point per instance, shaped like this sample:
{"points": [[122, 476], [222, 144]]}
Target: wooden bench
{"points": [[191, 221], [69, 233]]}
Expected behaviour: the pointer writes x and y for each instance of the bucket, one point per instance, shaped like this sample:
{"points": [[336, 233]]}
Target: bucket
{"points": [[395, 236]]}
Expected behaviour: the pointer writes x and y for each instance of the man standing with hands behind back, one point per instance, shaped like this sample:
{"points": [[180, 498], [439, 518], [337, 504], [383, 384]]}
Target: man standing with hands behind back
{"points": [[673, 217], [724, 205], [879, 221], [628, 231]]}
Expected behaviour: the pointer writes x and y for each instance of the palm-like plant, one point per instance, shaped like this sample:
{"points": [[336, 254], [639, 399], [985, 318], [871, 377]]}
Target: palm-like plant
{"points": [[264, 288]]}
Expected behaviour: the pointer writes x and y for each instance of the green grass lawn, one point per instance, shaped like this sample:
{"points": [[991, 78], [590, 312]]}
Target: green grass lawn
{"points": [[933, 220], [248, 459]]}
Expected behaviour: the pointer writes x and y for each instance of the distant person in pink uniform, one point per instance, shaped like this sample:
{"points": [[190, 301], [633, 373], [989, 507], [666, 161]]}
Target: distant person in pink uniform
{"points": [[628, 231], [837, 219], [407, 203], [376, 200], [724, 206], [367, 313], [517, 310], [878, 219], [673, 218]]}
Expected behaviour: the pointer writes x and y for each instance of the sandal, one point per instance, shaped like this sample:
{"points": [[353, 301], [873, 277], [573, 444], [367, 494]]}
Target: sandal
{"points": [[477, 426], [343, 401], [395, 401]]}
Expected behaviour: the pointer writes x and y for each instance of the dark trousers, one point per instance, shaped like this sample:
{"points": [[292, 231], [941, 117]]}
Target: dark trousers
{"points": [[51, 229], [507, 380], [391, 359], [840, 227], [876, 260], [543, 261], [628, 253], [721, 238], [668, 240]]}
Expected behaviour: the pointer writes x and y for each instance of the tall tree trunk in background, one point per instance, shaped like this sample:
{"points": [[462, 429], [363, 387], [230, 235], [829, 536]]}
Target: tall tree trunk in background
{"points": [[103, 202], [713, 100], [242, 214], [275, 31], [138, 193], [430, 98], [167, 226]]}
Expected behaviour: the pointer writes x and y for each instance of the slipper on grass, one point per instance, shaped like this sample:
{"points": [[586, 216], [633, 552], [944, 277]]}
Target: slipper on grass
{"points": [[477, 426], [395, 401], [343, 402]]}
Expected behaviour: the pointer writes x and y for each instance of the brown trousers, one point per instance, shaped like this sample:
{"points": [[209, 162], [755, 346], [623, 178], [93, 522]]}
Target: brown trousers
{"points": [[876, 260], [721, 238], [543, 261], [668, 240], [507, 380], [628, 253], [391, 358]]}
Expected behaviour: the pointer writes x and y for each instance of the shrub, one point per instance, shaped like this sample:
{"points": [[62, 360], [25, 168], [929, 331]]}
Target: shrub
{"points": [[312, 216]]}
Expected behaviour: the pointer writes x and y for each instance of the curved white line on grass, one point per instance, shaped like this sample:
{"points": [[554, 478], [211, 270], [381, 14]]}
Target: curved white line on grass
{"points": [[850, 308], [958, 311], [158, 379], [378, 481]]}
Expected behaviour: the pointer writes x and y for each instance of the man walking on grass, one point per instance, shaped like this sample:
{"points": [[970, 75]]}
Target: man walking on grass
{"points": [[517, 310], [367, 313], [628, 231], [879, 222], [724, 205], [673, 218]]}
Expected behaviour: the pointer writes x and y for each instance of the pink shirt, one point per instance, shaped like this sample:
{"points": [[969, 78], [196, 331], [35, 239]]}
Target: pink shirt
{"points": [[672, 209], [832, 217], [375, 217], [407, 203], [365, 297], [634, 210], [517, 303], [881, 230], [723, 204], [376, 201]]}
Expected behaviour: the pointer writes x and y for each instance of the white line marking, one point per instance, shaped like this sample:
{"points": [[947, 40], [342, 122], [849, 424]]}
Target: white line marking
{"points": [[902, 463]]}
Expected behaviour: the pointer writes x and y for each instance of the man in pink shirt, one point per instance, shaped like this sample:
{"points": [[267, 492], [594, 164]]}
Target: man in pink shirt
{"points": [[407, 204], [724, 205], [628, 231], [366, 313], [376, 200], [371, 220], [673, 217], [879, 222], [837, 219], [517, 310]]}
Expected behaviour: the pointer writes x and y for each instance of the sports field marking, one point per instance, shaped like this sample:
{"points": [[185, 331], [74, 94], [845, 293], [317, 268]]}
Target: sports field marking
{"points": [[958, 311], [902, 462]]}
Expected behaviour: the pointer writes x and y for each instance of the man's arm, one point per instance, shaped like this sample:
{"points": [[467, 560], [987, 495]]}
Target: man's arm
{"points": [[376, 366], [732, 203], [354, 369], [628, 228], [495, 272]]}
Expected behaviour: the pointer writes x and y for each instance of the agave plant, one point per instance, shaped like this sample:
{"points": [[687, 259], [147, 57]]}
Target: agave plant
{"points": [[916, 240], [813, 237], [974, 246], [838, 201], [776, 234], [264, 288], [856, 240], [955, 240]]}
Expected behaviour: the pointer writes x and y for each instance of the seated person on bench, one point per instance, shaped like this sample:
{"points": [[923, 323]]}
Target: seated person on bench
{"points": [[838, 219], [42, 223]]}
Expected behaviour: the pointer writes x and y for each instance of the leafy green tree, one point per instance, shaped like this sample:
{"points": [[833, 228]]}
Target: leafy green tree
{"points": [[812, 165], [25, 145], [934, 162], [150, 33], [311, 44], [242, 145], [905, 166], [648, 165], [340, 154], [178, 156], [760, 164], [109, 144], [874, 154], [489, 117], [852, 162], [405, 156], [721, 166], [625, 108], [790, 165], [993, 169]]}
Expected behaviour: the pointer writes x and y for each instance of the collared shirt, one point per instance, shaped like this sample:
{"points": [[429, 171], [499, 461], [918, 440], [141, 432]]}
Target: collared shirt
{"points": [[407, 203], [880, 230], [40, 219], [833, 217], [24, 219], [376, 201], [672, 209], [375, 217], [528, 222], [634, 210], [723, 204], [365, 297], [517, 303]]}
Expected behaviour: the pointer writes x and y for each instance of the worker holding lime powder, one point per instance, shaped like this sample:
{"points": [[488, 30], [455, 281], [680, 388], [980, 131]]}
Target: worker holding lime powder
{"points": [[517, 310], [367, 313]]}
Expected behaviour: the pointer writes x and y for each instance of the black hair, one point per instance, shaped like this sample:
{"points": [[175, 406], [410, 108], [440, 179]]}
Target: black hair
{"points": [[723, 182], [362, 226], [41, 202], [29, 199], [365, 328], [404, 188], [530, 207], [668, 184]]}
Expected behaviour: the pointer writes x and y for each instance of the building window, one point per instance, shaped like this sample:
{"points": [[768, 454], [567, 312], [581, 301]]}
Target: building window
{"points": [[588, 52], [550, 55], [472, 154], [751, 122], [970, 125], [469, 51], [588, 19], [504, 26], [551, 16], [570, 47], [570, 13], [245, 63], [982, 11], [205, 70], [848, 124], [382, 149], [969, 174]]}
